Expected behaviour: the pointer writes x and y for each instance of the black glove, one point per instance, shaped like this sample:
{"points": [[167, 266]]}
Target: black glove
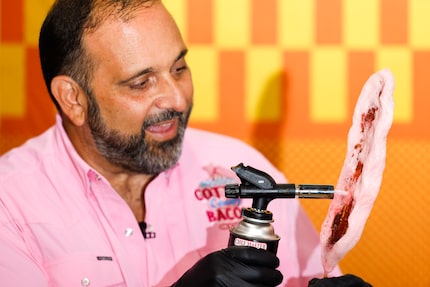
{"points": [[233, 266], [347, 280]]}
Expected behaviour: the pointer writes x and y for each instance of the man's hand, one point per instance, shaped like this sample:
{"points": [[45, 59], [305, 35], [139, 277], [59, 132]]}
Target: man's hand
{"points": [[347, 280], [234, 266]]}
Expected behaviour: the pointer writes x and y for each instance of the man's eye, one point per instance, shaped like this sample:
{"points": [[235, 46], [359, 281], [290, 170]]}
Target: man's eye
{"points": [[181, 69], [140, 85]]}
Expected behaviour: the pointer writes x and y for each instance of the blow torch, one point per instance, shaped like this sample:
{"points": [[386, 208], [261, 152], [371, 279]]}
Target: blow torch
{"points": [[255, 228]]}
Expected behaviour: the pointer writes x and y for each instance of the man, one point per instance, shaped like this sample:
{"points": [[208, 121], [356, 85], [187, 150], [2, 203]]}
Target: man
{"points": [[73, 200]]}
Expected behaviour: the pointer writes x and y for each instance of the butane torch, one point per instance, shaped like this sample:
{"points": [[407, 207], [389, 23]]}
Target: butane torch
{"points": [[255, 228]]}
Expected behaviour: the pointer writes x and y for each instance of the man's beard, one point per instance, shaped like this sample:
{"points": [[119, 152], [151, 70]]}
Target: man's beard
{"points": [[137, 153]]}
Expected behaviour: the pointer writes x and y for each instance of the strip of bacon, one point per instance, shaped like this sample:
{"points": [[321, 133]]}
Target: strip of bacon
{"points": [[362, 172]]}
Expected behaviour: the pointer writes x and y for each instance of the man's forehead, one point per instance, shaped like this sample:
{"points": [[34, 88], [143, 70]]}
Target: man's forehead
{"points": [[150, 39], [117, 26], [104, 12]]}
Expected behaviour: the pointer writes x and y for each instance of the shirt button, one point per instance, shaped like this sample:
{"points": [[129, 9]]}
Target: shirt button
{"points": [[85, 281], [128, 232]]}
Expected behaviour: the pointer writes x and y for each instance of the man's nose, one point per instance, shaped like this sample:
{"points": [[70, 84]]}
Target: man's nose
{"points": [[173, 94]]}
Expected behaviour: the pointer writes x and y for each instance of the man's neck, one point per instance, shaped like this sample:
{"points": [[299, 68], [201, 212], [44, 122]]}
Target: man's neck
{"points": [[131, 187]]}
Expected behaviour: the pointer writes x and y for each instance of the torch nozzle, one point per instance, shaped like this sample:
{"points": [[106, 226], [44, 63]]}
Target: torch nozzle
{"points": [[316, 191]]}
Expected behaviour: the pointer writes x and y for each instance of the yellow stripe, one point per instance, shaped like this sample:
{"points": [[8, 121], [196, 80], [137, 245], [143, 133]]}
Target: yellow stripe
{"points": [[232, 23], [398, 60], [34, 13], [361, 23], [328, 85], [263, 81], [296, 23], [201, 60], [12, 80], [419, 23]]}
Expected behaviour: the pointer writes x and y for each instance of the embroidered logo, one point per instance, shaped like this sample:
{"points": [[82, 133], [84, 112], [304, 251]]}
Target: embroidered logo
{"points": [[219, 209]]}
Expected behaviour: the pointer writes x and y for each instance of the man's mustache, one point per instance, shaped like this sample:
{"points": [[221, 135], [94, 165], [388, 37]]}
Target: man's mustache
{"points": [[161, 117]]}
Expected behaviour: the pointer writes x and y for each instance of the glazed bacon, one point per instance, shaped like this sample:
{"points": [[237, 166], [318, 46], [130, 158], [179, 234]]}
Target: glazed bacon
{"points": [[361, 174]]}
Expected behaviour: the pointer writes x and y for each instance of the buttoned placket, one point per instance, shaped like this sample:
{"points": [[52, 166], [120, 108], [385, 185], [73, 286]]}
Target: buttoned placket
{"points": [[122, 231]]}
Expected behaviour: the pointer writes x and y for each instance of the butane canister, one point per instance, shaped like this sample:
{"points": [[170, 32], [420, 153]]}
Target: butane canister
{"points": [[255, 230]]}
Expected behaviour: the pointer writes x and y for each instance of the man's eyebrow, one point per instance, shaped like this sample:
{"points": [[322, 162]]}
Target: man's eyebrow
{"points": [[134, 76], [149, 70], [181, 55]]}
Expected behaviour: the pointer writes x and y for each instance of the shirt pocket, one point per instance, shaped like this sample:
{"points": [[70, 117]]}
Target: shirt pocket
{"points": [[85, 270]]}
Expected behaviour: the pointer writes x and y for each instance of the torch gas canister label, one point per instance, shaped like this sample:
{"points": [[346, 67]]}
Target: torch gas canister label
{"points": [[243, 242], [271, 246]]}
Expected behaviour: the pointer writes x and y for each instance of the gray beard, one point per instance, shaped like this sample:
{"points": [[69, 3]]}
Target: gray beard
{"points": [[136, 153]]}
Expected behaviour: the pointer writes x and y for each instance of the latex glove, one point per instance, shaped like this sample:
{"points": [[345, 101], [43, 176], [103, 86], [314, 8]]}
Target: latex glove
{"points": [[233, 266], [347, 280]]}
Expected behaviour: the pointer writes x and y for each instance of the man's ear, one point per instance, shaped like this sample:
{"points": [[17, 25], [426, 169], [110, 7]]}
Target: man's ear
{"points": [[70, 97]]}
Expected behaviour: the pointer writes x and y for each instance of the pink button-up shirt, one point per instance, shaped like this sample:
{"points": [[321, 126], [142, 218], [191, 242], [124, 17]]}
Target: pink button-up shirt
{"points": [[62, 224]]}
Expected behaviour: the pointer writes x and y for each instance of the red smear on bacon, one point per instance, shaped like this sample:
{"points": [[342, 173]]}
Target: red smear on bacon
{"points": [[340, 221]]}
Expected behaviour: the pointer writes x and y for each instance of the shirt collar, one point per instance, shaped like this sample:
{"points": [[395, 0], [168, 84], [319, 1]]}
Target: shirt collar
{"points": [[85, 171]]}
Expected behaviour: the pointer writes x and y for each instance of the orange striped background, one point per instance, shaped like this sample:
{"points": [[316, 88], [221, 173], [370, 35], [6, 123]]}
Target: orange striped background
{"points": [[291, 97]]}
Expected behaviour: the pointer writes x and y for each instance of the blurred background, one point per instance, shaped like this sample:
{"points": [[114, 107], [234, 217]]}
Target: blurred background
{"points": [[284, 76]]}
